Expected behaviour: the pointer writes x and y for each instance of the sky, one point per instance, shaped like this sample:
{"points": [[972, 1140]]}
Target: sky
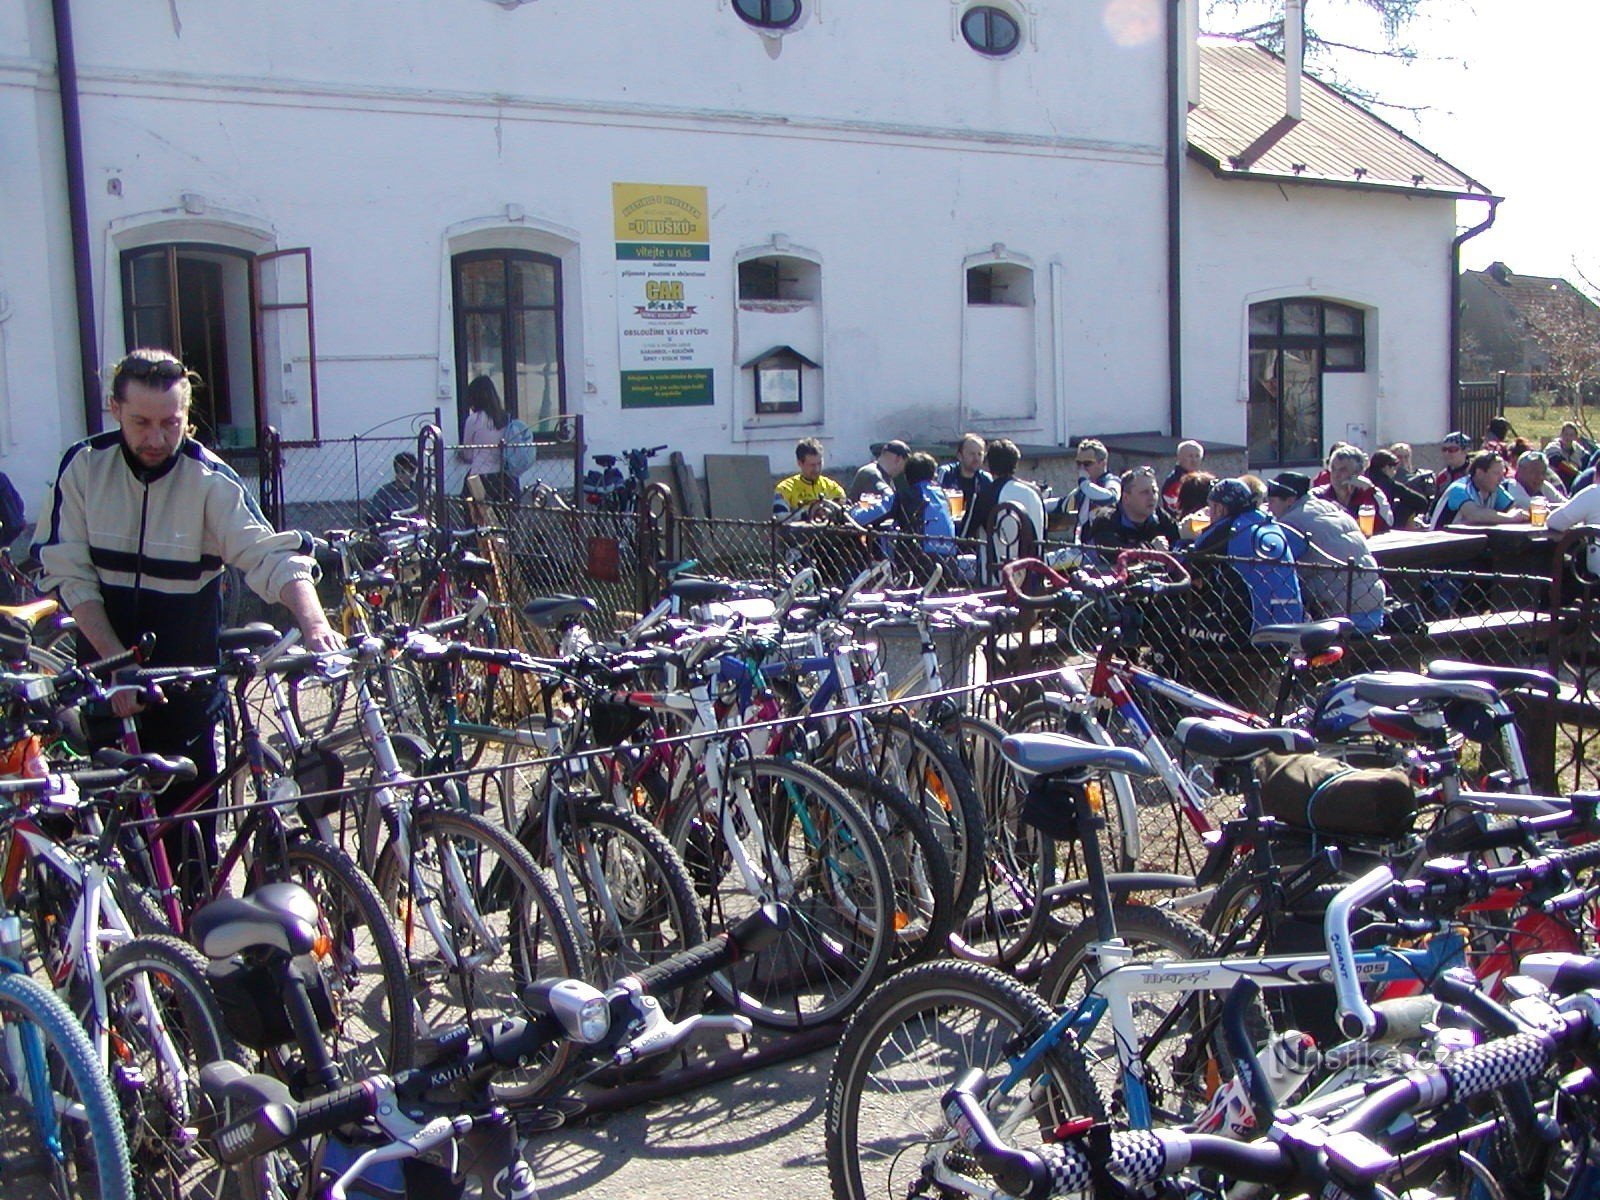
{"points": [[1501, 88]]}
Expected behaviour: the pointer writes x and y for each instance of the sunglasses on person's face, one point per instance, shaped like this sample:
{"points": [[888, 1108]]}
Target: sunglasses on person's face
{"points": [[168, 369]]}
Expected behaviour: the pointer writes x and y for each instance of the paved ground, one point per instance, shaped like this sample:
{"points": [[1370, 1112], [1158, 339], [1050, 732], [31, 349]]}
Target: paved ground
{"points": [[757, 1136]]}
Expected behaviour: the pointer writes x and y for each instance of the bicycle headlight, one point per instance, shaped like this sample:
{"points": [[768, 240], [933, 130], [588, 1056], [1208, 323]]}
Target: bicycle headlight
{"points": [[581, 1008]]}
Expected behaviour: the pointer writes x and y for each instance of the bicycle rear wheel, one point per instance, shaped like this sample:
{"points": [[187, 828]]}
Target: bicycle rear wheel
{"points": [[72, 1140], [885, 1128], [814, 849]]}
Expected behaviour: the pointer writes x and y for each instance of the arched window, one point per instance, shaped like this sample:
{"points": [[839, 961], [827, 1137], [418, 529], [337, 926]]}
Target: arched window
{"points": [[508, 327], [1292, 344]]}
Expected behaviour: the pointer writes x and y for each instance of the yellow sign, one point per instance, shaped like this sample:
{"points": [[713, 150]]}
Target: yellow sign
{"points": [[652, 212]]}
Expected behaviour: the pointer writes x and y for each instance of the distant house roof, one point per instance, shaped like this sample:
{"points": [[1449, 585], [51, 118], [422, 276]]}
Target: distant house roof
{"points": [[1239, 130]]}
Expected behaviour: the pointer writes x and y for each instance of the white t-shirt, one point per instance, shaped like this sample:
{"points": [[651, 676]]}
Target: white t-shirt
{"points": [[1582, 509], [1026, 497]]}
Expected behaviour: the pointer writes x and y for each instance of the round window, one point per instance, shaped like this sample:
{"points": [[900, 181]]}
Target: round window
{"points": [[768, 14], [990, 30]]}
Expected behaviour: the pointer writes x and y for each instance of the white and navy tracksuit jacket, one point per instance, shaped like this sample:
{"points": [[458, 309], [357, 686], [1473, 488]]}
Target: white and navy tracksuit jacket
{"points": [[151, 543]]}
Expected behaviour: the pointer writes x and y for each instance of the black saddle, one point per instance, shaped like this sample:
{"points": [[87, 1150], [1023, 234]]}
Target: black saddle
{"points": [[257, 635], [547, 612], [281, 916], [1502, 679], [1393, 689], [1306, 637], [691, 589], [1057, 754], [1229, 741]]}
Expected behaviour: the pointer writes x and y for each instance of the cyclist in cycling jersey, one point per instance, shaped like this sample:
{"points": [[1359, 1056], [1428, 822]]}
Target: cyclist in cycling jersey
{"points": [[808, 485]]}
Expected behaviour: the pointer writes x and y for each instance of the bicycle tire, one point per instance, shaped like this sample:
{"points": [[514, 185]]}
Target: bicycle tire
{"points": [[472, 684], [840, 896], [56, 1053], [911, 1039], [1179, 1069], [914, 757], [1005, 923], [375, 991], [161, 1011], [317, 705], [924, 884], [652, 912], [508, 926]]}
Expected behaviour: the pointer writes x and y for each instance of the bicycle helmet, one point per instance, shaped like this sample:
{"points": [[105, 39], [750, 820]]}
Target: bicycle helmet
{"points": [[1340, 713], [1234, 495]]}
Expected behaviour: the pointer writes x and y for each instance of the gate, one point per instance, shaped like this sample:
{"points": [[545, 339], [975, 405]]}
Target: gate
{"points": [[1475, 403]]}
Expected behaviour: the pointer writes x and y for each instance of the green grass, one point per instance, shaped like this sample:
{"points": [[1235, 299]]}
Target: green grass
{"points": [[1541, 429]]}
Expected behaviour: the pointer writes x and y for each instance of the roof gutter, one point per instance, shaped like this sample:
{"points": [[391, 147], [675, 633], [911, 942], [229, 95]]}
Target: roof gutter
{"points": [[1176, 147], [1454, 364], [78, 212]]}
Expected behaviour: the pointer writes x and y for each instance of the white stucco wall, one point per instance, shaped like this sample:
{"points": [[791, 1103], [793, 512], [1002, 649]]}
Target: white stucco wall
{"points": [[872, 135], [1248, 241]]}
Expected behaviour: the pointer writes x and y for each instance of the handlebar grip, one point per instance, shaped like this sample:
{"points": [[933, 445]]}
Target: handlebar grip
{"points": [[273, 1124], [1577, 858], [141, 650], [750, 935], [446, 624], [324, 1114]]}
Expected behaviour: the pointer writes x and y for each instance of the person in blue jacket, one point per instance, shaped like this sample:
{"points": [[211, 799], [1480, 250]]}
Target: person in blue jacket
{"points": [[1246, 559]]}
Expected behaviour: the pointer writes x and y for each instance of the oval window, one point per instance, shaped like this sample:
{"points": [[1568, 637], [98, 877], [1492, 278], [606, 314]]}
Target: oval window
{"points": [[768, 14], [990, 30]]}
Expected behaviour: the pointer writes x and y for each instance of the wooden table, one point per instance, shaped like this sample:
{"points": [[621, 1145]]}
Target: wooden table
{"points": [[1516, 549], [1428, 547]]}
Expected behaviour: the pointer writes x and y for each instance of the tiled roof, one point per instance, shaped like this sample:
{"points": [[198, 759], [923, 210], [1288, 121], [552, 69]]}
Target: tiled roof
{"points": [[1240, 131]]}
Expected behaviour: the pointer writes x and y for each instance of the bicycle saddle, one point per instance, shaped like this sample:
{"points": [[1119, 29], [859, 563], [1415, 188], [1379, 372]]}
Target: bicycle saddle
{"points": [[606, 460], [693, 590], [1057, 754], [1503, 679], [547, 612], [257, 635], [280, 915], [30, 614], [474, 566], [1308, 637], [150, 766], [1229, 741], [1394, 689]]}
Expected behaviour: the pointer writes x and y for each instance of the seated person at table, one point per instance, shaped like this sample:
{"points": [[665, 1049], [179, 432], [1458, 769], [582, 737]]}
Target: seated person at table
{"points": [[1338, 575], [1097, 485], [966, 475], [1002, 458], [399, 494], [928, 514], [1419, 479], [1136, 521], [1190, 455], [1480, 497], [802, 490], [1582, 509], [1245, 559], [1351, 490], [1193, 497], [1568, 452], [1497, 437], [1532, 478], [1456, 450], [1408, 503]]}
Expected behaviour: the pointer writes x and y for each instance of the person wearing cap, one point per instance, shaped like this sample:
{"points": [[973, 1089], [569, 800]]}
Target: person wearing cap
{"points": [[1455, 449], [1249, 574], [1532, 477], [1480, 497], [882, 474], [1338, 574]]}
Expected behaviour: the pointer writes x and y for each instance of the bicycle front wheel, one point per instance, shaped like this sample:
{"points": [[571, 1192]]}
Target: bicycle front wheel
{"points": [[479, 921], [165, 1025], [885, 1129], [58, 1114], [805, 842]]}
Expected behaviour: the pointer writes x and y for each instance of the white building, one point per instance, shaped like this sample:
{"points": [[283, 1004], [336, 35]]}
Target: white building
{"points": [[946, 229]]}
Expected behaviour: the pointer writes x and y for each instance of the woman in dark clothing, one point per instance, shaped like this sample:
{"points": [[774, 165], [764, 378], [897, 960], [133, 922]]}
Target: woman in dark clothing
{"points": [[1407, 502]]}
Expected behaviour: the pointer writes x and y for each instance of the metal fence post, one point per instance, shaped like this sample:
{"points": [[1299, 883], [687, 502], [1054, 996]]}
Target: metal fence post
{"points": [[270, 483]]}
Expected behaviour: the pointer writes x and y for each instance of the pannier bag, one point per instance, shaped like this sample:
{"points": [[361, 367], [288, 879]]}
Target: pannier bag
{"points": [[1325, 795]]}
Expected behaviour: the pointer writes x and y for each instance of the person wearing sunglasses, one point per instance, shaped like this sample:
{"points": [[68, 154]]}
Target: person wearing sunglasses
{"points": [[136, 530]]}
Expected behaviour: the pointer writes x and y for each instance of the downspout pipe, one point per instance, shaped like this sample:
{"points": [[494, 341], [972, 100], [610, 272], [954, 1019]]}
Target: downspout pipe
{"points": [[77, 211], [1176, 148], [1453, 367]]}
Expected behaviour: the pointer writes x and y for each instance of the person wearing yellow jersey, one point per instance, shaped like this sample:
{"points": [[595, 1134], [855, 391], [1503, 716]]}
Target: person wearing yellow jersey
{"points": [[803, 489]]}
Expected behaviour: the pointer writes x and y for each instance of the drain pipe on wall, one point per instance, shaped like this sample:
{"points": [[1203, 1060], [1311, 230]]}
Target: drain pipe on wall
{"points": [[1453, 367], [1176, 156], [78, 212]]}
